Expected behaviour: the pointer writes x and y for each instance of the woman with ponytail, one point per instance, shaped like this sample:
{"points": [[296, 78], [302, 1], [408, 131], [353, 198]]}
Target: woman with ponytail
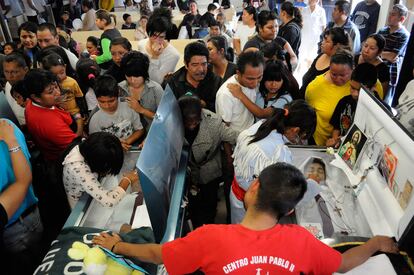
{"points": [[106, 21], [88, 71], [292, 25], [264, 143], [220, 56]]}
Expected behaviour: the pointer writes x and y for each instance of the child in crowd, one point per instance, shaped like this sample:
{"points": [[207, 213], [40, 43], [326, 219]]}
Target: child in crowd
{"points": [[88, 70], [72, 96], [113, 116], [343, 116], [128, 25], [19, 93], [9, 48], [92, 45]]}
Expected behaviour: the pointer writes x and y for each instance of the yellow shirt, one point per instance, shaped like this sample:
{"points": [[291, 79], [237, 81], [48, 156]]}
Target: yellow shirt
{"points": [[70, 90], [323, 96]]}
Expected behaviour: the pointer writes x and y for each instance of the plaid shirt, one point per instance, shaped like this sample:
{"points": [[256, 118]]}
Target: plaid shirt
{"points": [[395, 42]]}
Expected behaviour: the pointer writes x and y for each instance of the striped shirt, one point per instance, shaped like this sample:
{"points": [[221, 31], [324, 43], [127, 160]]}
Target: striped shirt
{"points": [[395, 42]]}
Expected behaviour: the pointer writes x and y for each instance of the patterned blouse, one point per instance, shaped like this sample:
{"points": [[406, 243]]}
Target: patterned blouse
{"points": [[78, 178]]}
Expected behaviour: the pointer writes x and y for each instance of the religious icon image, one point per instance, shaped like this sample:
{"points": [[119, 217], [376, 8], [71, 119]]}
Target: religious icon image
{"points": [[387, 166], [352, 146]]}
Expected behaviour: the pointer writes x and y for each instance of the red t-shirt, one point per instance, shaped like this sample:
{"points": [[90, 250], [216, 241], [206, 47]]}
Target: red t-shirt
{"points": [[50, 129], [234, 249]]}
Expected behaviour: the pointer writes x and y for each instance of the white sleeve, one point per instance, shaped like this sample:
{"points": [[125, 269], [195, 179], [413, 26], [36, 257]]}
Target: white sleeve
{"points": [[72, 59], [80, 174], [224, 106]]}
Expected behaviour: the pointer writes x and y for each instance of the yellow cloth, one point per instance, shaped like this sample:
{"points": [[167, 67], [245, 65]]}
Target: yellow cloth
{"points": [[70, 90], [323, 96], [379, 90]]}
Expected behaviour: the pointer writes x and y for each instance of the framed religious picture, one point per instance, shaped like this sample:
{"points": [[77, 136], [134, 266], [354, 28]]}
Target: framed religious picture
{"points": [[352, 146], [387, 166]]}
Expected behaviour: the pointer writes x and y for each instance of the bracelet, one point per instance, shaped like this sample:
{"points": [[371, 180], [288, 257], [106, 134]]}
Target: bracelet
{"points": [[130, 182], [112, 249], [15, 149]]}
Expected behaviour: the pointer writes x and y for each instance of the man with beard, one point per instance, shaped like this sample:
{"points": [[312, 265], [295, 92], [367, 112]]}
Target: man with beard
{"points": [[196, 77]]}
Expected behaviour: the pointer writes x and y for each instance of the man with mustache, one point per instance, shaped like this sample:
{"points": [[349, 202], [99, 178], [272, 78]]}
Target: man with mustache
{"points": [[196, 77]]}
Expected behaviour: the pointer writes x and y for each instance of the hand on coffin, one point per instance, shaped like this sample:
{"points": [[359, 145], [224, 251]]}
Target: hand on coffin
{"points": [[386, 244], [132, 176], [106, 240]]}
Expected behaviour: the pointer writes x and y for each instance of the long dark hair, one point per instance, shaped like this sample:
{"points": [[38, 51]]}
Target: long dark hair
{"points": [[221, 43], [292, 11], [276, 70], [296, 114]]}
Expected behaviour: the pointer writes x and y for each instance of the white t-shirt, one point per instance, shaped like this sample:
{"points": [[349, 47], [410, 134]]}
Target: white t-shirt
{"points": [[231, 109], [165, 63], [72, 58], [16, 108], [244, 32]]}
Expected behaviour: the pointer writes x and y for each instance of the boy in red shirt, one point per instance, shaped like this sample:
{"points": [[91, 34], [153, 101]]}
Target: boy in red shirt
{"points": [[259, 244], [49, 125]]}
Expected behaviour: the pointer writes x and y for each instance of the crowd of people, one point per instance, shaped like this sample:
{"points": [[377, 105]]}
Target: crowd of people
{"points": [[241, 105]]}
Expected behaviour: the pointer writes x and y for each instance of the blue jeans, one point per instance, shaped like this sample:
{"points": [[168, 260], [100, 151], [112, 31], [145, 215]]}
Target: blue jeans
{"points": [[22, 243]]}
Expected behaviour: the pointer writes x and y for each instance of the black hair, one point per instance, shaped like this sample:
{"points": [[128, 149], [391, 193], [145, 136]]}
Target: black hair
{"points": [[27, 26], [276, 70], [338, 36], [103, 153], [136, 64], [159, 21], [190, 107], [19, 58], [105, 15], [48, 26], [52, 49], [125, 16], [13, 45], [264, 17], [292, 11], [88, 70], [343, 6], [320, 162], [252, 11], [281, 187], [52, 60], [273, 50], [299, 114], [94, 40], [220, 42], [215, 23], [88, 4], [254, 59], [122, 41], [36, 80], [193, 49], [366, 74], [106, 85], [343, 57], [20, 88], [379, 39], [211, 7]]}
